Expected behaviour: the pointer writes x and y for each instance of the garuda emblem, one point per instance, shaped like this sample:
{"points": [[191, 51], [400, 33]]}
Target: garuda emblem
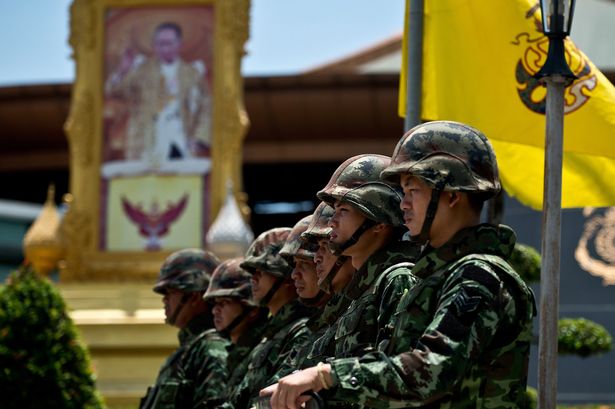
{"points": [[595, 252], [155, 223], [531, 92]]}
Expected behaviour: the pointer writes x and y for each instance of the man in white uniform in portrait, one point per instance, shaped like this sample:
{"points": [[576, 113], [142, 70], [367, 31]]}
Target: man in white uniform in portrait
{"points": [[169, 123]]}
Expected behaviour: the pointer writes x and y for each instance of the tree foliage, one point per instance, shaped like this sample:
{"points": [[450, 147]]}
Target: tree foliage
{"points": [[43, 364]]}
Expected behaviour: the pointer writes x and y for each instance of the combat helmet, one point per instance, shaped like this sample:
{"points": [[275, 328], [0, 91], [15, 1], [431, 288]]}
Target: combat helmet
{"points": [[229, 280], [448, 156], [264, 255], [357, 182], [317, 230], [187, 270], [295, 246]]}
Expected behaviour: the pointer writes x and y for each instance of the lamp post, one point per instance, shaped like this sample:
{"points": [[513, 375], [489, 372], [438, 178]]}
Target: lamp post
{"points": [[557, 20]]}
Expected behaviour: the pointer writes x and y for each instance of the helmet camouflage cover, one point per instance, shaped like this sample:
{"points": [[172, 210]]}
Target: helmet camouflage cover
{"points": [[357, 182], [230, 280], [318, 228], [186, 270], [295, 246], [264, 253], [446, 155]]}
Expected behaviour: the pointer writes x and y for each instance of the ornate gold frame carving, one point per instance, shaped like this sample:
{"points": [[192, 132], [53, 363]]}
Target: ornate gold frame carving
{"points": [[84, 261]]}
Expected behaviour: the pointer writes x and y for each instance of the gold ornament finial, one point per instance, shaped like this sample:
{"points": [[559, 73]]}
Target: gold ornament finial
{"points": [[43, 243]]}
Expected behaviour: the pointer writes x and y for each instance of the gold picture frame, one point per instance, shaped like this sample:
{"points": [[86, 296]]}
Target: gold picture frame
{"points": [[86, 258]]}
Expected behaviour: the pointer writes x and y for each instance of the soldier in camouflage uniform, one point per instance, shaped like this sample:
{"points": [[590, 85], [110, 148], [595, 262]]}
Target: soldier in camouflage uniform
{"points": [[236, 316], [194, 375], [367, 227], [309, 244], [271, 287], [462, 337]]}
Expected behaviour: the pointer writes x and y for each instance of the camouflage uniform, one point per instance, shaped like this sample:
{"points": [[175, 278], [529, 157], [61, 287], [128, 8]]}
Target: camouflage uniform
{"points": [[194, 375], [229, 280], [376, 286], [285, 329], [461, 337]]}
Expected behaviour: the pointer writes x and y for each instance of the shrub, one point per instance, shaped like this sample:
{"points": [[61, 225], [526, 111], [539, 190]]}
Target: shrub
{"points": [[582, 337], [42, 362], [526, 262]]}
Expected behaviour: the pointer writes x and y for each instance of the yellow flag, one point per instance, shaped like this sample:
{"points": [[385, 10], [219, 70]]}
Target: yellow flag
{"points": [[478, 65]]}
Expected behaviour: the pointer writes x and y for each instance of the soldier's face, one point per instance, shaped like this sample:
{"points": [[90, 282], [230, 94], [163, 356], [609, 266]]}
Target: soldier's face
{"points": [[417, 196], [172, 300], [167, 45], [345, 221], [304, 277], [225, 310], [261, 283], [324, 260]]}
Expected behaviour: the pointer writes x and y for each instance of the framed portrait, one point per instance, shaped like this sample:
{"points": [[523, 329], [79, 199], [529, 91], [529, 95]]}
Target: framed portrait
{"points": [[155, 130]]}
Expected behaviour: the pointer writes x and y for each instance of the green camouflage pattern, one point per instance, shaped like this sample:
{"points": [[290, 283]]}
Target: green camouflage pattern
{"points": [[459, 339], [357, 182], [264, 254], [446, 155], [295, 246], [286, 330], [374, 291], [318, 228], [186, 270], [194, 375], [230, 280], [238, 353]]}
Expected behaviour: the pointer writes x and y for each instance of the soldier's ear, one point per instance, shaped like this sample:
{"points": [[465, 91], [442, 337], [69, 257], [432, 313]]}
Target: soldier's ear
{"points": [[453, 198]]}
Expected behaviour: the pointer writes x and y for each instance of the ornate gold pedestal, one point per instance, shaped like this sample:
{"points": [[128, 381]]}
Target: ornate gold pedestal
{"points": [[123, 326]]}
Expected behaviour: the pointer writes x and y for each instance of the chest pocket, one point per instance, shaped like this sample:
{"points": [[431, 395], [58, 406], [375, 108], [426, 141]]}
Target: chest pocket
{"points": [[357, 329], [174, 393], [324, 346], [261, 354]]}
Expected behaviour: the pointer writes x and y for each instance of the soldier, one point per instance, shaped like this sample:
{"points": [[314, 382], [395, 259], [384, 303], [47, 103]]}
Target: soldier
{"points": [[367, 227], [194, 375], [271, 287], [236, 316], [311, 285], [462, 337]]}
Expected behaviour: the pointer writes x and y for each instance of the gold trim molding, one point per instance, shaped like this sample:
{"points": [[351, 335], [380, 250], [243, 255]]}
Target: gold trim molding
{"points": [[81, 225]]}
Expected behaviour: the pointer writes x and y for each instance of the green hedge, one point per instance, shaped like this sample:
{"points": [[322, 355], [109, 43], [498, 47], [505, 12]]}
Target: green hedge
{"points": [[42, 362], [579, 336]]}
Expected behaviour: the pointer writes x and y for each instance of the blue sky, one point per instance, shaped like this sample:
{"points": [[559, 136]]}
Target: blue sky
{"points": [[286, 35]]}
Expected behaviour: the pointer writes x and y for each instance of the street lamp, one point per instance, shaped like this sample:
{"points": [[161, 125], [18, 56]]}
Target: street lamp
{"points": [[556, 24], [557, 20]]}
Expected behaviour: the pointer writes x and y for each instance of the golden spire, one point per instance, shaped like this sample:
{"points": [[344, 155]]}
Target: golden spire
{"points": [[43, 244]]}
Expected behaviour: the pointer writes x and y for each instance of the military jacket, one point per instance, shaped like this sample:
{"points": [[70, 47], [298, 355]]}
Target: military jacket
{"points": [[194, 375], [373, 292], [459, 339], [285, 331], [310, 352], [238, 353]]}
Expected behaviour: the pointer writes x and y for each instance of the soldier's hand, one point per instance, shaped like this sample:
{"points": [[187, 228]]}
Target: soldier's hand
{"points": [[286, 394]]}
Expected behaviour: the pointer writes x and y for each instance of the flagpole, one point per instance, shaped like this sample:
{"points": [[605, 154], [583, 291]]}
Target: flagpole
{"points": [[414, 72], [551, 238], [556, 74]]}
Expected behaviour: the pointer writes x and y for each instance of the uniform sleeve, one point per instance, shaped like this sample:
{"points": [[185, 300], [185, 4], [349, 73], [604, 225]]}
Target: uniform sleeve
{"points": [[466, 317], [210, 373]]}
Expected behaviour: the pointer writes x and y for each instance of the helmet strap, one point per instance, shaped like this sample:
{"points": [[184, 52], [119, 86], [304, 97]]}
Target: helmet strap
{"points": [[430, 214], [226, 331], [179, 308], [276, 285], [327, 283], [338, 249], [316, 300]]}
